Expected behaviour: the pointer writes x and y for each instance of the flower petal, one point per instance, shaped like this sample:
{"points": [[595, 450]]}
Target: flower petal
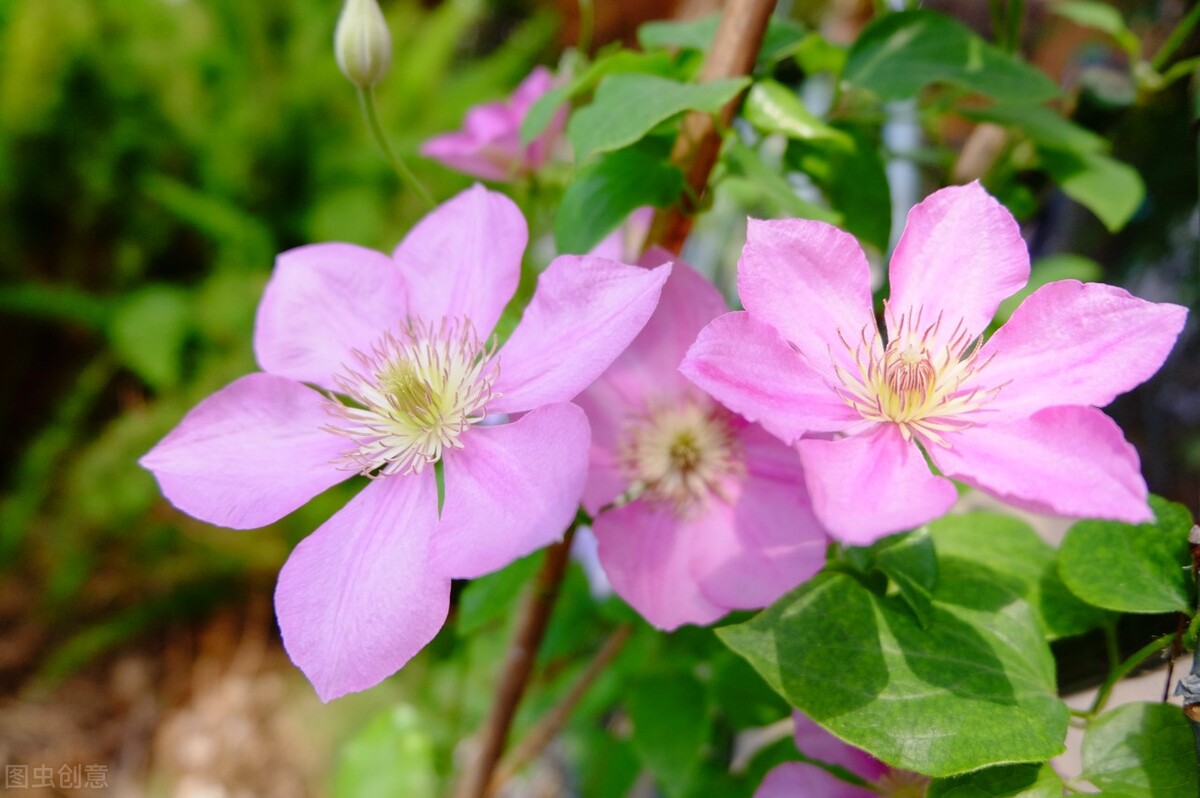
{"points": [[488, 146], [464, 259], [323, 301], [774, 540], [801, 780], [249, 454], [585, 311], [1071, 461], [871, 485], [647, 553], [810, 281], [511, 489], [357, 598], [1073, 343], [745, 365], [815, 741], [960, 256]]}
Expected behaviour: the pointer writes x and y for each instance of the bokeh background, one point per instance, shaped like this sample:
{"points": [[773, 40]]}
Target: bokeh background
{"points": [[155, 155]]}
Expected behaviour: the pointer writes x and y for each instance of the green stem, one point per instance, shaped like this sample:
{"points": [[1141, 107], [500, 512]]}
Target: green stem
{"points": [[1176, 39], [1124, 669], [366, 98], [1016, 14]]}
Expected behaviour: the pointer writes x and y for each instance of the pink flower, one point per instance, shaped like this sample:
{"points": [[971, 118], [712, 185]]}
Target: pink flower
{"points": [[405, 340], [1015, 416], [489, 145], [804, 780], [711, 511]]}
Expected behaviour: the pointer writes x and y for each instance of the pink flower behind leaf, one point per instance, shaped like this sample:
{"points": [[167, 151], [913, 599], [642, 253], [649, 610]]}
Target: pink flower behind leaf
{"points": [[399, 351], [489, 145], [1015, 416], [711, 512]]}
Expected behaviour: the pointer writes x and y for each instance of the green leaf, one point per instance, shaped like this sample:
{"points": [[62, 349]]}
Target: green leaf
{"points": [[781, 39], [1141, 750], [1045, 126], [543, 109], [626, 107], [818, 54], [1006, 781], [1007, 551], [774, 108], [606, 191], [744, 165], [1131, 568], [389, 756], [1063, 266], [900, 54], [1107, 187], [671, 722], [1102, 17], [911, 563], [491, 597], [976, 688], [148, 332], [854, 180]]}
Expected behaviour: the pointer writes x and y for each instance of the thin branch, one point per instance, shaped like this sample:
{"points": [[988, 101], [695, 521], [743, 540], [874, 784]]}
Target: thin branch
{"points": [[536, 739], [734, 51], [518, 665]]}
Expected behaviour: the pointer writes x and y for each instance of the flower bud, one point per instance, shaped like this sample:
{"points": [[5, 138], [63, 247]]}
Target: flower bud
{"points": [[362, 43]]}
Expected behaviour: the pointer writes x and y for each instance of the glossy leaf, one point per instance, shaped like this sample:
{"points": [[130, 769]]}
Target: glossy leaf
{"points": [[900, 54], [1131, 568], [626, 107], [670, 721], [1007, 551], [1141, 750], [607, 190], [1006, 781], [774, 108], [975, 688], [911, 563], [1107, 187]]}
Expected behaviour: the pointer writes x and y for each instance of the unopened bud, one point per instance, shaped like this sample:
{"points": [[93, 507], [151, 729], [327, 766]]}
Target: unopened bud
{"points": [[362, 43]]}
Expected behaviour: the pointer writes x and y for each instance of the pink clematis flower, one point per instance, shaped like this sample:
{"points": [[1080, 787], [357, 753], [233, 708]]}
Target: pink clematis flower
{"points": [[711, 514], [1014, 416], [489, 145], [398, 348], [804, 780]]}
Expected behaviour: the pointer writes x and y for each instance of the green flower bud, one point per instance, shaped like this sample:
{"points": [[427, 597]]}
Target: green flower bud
{"points": [[362, 43]]}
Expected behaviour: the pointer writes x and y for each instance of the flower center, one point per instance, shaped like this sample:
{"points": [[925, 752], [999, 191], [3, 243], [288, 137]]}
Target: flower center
{"points": [[679, 454], [916, 381], [413, 394]]}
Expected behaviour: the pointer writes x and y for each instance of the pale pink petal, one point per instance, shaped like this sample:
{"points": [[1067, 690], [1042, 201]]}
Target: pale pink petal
{"points": [[464, 259], [811, 282], [357, 598], [1070, 461], [609, 411], [249, 454], [1072, 343], [814, 741], [960, 256], [464, 151], [323, 301], [774, 540], [584, 313], [511, 490], [867, 486], [801, 780], [647, 553], [745, 365]]}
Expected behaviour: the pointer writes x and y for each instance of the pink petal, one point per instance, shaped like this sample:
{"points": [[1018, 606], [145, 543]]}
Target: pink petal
{"points": [[249, 454], [464, 259], [811, 282], [609, 410], [647, 553], [537, 83], [357, 598], [1071, 343], [767, 541], [511, 489], [466, 152], [800, 780], [745, 365], [1070, 461], [322, 301], [814, 741], [584, 313], [960, 256], [868, 486]]}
